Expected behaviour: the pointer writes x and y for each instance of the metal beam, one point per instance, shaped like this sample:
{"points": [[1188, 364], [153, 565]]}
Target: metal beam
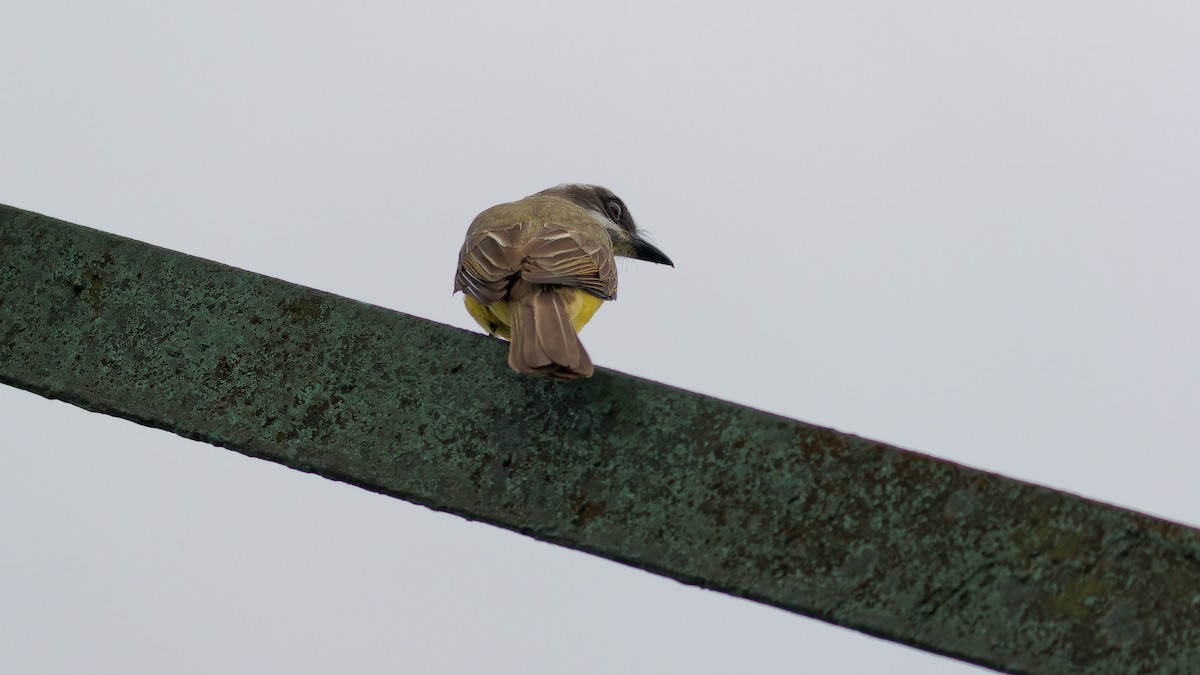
{"points": [[952, 560]]}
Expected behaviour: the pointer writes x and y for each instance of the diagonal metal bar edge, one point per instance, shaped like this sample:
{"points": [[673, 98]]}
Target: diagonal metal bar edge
{"points": [[956, 561]]}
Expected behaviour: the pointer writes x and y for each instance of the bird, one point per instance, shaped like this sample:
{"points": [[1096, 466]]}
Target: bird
{"points": [[535, 270]]}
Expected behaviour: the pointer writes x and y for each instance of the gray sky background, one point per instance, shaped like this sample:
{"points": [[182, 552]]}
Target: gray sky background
{"points": [[968, 229]]}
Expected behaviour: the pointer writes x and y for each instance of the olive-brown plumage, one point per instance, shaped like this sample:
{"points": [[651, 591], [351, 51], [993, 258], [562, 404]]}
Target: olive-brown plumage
{"points": [[534, 271]]}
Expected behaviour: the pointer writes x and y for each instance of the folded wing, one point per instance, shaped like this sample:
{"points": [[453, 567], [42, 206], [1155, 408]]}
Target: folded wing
{"points": [[491, 260]]}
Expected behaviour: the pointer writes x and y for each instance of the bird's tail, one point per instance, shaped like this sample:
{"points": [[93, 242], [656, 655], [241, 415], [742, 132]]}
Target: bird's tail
{"points": [[543, 340]]}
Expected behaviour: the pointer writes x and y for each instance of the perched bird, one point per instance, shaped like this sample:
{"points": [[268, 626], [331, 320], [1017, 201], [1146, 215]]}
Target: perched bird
{"points": [[534, 272]]}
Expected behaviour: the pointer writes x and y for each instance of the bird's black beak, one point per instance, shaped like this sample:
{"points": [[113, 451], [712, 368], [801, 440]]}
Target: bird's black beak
{"points": [[644, 250]]}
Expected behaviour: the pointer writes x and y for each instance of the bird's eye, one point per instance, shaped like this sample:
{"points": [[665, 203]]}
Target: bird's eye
{"points": [[614, 209]]}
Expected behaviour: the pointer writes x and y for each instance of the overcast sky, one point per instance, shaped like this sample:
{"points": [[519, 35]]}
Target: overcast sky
{"points": [[968, 229]]}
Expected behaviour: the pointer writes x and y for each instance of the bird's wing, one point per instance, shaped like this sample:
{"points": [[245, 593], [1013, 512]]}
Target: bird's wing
{"points": [[488, 262], [491, 259], [562, 257]]}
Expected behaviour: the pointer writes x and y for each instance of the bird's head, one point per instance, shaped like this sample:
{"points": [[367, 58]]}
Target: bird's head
{"points": [[610, 212]]}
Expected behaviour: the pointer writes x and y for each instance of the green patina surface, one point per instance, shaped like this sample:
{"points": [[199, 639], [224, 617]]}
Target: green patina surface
{"points": [[896, 544]]}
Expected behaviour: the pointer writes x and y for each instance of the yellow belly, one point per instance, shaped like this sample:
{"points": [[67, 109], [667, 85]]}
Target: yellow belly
{"points": [[581, 305]]}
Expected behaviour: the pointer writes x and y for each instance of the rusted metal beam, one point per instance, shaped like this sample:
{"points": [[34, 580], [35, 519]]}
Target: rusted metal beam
{"points": [[956, 561]]}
